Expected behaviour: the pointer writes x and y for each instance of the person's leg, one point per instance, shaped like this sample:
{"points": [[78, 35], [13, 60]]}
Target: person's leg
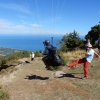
{"points": [[76, 62], [86, 64]]}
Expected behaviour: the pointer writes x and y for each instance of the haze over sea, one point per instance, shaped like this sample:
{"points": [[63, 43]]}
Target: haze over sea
{"points": [[28, 42]]}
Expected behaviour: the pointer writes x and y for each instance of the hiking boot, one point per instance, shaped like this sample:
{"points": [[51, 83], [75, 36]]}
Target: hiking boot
{"points": [[84, 78], [67, 65]]}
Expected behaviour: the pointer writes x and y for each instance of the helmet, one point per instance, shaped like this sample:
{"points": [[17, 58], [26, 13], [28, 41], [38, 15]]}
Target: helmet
{"points": [[46, 42]]}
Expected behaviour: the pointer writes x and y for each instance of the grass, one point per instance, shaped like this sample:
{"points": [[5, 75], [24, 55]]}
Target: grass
{"points": [[75, 54], [68, 87], [4, 95]]}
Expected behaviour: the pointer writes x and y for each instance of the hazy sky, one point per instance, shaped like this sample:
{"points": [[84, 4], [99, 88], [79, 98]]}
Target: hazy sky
{"points": [[48, 16]]}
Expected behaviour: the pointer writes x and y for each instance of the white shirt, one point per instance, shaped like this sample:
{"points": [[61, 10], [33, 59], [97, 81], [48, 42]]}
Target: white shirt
{"points": [[90, 55], [32, 55]]}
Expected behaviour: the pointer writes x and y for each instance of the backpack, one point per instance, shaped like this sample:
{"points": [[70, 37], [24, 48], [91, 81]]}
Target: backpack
{"points": [[53, 58]]}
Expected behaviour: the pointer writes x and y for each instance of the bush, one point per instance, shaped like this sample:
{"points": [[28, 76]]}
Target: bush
{"points": [[3, 71], [1, 86], [4, 95], [71, 42], [38, 54], [64, 59], [18, 55], [3, 61]]}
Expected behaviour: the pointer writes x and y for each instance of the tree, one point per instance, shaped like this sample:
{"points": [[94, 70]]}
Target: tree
{"points": [[93, 34], [71, 42]]}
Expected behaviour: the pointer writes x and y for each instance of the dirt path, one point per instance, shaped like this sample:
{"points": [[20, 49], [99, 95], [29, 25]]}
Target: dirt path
{"points": [[31, 82], [20, 83]]}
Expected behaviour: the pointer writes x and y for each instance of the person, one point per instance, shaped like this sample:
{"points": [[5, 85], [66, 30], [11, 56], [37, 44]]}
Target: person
{"points": [[87, 43], [32, 56], [47, 47], [99, 48], [86, 60], [51, 58], [47, 58]]}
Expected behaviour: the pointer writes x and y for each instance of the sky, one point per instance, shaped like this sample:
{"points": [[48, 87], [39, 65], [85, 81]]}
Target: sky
{"points": [[48, 16]]}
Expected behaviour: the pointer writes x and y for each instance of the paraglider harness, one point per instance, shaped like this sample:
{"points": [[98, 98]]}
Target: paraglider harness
{"points": [[52, 58]]}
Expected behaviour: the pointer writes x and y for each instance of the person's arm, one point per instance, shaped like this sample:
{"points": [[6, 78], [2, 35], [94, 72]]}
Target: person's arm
{"points": [[45, 51], [96, 54]]}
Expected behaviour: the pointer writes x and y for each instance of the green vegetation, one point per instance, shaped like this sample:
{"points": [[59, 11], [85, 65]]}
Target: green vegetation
{"points": [[2, 61], [38, 54], [12, 58], [71, 42], [4, 95], [93, 34], [7, 51], [64, 59], [18, 55]]}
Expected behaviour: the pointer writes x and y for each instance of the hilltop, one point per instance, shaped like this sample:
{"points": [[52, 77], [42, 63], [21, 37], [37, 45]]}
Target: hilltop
{"points": [[31, 81]]}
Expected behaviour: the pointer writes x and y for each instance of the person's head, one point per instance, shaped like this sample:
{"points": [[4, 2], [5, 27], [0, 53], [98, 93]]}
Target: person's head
{"points": [[88, 40], [89, 46], [46, 42]]}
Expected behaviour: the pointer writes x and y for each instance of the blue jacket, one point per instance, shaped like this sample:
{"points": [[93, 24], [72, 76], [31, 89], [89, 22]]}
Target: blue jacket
{"points": [[47, 49]]}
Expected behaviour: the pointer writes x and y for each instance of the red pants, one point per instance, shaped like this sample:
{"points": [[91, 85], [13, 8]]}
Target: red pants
{"points": [[86, 64]]}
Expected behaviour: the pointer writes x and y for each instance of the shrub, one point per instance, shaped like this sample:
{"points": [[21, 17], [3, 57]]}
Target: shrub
{"points": [[18, 55], [13, 69], [64, 59], [53, 68], [1, 86], [38, 54], [4, 95], [3, 71], [3, 61]]}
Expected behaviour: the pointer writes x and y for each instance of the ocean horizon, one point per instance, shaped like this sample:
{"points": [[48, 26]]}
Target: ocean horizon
{"points": [[28, 42]]}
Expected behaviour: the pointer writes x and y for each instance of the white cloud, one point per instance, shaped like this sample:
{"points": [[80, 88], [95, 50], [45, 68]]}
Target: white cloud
{"points": [[7, 27], [17, 7], [35, 25], [4, 23]]}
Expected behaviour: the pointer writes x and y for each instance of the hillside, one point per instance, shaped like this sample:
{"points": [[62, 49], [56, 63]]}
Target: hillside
{"points": [[7, 51], [33, 82]]}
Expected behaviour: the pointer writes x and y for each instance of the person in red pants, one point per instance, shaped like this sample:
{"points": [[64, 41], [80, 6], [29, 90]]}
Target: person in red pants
{"points": [[86, 60]]}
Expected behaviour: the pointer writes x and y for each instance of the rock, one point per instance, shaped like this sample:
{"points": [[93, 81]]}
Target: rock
{"points": [[59, 73]]}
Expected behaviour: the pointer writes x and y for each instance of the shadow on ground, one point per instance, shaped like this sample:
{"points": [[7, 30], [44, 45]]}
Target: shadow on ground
{"points": [[70, 75], [36, 77]]}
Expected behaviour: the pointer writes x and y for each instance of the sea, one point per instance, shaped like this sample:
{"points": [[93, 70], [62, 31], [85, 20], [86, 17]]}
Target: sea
{"points": [[28, 42]]}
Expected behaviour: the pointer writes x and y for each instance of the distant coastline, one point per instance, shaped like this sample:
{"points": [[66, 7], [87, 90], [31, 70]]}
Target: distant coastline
{"points": [[7, 51], [28, 42]]}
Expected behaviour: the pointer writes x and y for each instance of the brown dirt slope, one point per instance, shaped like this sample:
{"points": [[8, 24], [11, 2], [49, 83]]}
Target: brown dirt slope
{"points": [[33, 82]]}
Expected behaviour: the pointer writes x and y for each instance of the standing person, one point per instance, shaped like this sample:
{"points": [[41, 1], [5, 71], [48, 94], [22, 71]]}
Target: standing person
{"points": [[87, 43], [99, 48], [86, 60], [32, 56]]}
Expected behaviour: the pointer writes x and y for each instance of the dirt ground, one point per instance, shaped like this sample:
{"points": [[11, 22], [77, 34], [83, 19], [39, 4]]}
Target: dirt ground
{"points": [[33, 82]]}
